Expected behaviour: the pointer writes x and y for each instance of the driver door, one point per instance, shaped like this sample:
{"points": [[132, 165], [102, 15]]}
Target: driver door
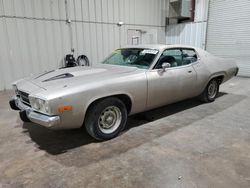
{"points": [[174, 84]]}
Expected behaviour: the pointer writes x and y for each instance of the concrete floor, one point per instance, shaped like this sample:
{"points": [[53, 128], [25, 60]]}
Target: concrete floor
{"points": [[185, 145]]}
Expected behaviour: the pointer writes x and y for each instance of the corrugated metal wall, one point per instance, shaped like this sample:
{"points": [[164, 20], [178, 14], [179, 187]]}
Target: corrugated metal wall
{"points": [[229, 32], [34, 35], [191, 33]]}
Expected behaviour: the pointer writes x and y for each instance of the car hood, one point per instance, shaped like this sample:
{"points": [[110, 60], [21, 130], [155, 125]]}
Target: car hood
{"points": [[67, 77]]}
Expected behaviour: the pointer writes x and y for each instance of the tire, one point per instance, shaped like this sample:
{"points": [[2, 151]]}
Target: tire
{"points": [[106, 118], [211, 91]]}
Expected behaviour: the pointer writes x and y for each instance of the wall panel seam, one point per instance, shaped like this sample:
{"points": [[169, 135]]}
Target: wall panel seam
{"points": [[82, 21]]}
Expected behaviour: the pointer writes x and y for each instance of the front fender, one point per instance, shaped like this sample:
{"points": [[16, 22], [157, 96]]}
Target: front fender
{"points": [[98, 97]]}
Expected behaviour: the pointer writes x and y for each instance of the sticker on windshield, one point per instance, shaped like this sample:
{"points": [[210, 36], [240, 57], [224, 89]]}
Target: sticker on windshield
{"points": [[149, 52]]}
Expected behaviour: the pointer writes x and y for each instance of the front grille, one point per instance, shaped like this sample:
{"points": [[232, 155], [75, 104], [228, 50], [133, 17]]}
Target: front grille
{"points": [[24, 97]]}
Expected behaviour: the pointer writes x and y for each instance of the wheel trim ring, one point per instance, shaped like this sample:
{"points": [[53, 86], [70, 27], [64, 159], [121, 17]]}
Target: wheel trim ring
{"points": [[110, 127], [212, 89]]}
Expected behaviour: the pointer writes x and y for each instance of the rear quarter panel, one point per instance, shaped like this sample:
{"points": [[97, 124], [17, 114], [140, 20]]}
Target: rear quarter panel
{"points": [[211, 67]]}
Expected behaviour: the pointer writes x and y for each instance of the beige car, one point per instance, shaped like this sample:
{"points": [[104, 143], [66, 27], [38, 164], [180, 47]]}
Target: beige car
{"points": [[129, 81]]}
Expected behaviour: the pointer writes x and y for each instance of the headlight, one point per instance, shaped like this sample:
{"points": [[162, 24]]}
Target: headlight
{"points": [[39, 105]]}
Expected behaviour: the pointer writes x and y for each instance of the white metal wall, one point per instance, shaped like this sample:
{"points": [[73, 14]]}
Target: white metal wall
{"points": [[191, 33], [33, 38], [229, 31], [34, 35]]}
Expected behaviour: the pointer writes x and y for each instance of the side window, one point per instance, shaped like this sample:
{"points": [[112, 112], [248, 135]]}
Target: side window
{"points": [[188, 56], [177, 57], [172, 56]]}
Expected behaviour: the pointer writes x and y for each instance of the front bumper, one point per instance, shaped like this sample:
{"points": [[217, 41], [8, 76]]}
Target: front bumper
{"points": [[28, 114]]}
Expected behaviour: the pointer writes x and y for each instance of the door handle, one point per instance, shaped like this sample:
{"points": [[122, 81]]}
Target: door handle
{"points": [[189, 71]]}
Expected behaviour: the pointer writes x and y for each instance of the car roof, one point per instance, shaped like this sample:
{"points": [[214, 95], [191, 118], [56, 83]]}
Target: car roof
{"points": [[159, 46]]}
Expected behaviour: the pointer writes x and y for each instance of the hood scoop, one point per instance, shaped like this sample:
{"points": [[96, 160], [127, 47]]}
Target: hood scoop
{"points": [[60, 76], [44, 74]]}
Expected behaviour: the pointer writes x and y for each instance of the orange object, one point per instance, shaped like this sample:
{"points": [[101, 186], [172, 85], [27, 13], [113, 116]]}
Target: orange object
{"points": [[65, 109]]}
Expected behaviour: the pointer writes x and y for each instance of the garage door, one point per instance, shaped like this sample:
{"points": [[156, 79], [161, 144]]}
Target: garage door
{"points": [[228, 33]]}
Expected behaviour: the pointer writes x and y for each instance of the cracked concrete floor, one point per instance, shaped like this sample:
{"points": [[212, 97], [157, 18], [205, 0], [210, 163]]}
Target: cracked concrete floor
{"points": [[184, 145]]}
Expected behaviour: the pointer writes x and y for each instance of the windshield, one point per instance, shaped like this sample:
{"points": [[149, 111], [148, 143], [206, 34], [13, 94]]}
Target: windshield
{"points": [[133, 57]]}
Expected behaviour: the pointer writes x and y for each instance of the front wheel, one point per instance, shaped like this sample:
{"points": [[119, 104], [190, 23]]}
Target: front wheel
{"points": [[106, 118], [211, 91]]}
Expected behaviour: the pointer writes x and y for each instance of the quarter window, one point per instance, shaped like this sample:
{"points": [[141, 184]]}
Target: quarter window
{"points": [[188, 56]]}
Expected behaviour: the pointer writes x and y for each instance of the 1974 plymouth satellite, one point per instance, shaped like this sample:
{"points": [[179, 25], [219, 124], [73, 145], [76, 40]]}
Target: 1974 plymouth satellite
{"points": [[129, 81]]}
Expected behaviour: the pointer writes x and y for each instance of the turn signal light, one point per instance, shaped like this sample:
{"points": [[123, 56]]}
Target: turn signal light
{"points": [[64, 109]]}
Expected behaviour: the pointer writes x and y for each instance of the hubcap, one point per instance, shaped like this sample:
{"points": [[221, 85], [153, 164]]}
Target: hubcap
{"points": [[212, 89], [110, 119]]}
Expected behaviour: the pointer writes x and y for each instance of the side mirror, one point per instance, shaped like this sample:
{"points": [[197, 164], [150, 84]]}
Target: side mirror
{"points": [[165, 65]]}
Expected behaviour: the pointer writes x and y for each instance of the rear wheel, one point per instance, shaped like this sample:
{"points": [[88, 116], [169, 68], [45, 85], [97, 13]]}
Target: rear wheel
{"points": [[211, 91], [106, 118]]}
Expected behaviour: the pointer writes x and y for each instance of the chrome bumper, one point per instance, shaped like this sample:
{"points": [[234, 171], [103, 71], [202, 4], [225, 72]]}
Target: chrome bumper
{"points": [[41, 119]]}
